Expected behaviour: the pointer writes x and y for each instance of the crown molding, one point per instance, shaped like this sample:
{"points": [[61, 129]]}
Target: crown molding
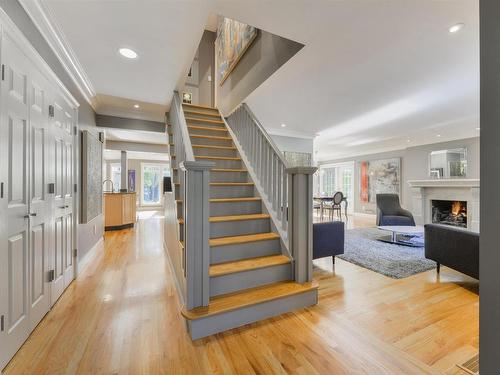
{"points": [[51, 32]]}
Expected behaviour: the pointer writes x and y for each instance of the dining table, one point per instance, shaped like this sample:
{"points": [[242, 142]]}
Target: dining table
{"points": [[324, 198]]}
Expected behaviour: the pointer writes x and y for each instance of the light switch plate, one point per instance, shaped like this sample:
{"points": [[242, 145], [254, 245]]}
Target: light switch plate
{"points": [[209, 78]]}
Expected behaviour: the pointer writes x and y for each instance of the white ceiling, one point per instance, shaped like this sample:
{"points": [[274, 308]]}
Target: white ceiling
{"points": [[374, 75], [165, 34], [137, 136]]}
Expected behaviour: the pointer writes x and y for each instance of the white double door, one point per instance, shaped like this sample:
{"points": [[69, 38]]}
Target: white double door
{"points": [[36, 197]]}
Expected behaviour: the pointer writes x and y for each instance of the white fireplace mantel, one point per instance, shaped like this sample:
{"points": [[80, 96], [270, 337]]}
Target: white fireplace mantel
{"points": [[424, 191], [455, 182]]}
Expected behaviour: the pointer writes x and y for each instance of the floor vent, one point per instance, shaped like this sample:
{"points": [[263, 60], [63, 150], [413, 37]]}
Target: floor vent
{"points": [[471, 366]]}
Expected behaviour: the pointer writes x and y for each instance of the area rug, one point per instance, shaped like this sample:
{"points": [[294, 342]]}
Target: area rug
{"points": [[396, 261]]}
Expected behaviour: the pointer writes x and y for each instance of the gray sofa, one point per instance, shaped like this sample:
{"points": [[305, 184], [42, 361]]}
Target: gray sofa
{"points": [[453, 247]]}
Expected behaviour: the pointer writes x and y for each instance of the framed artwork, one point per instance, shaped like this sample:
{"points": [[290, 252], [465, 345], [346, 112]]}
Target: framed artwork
{"points": [[233, 40], [187, 97], [91, 177], [131, 180], [378, 177]]}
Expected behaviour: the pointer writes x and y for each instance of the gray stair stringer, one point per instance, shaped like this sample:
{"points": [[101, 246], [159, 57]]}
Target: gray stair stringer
{"points": [[236, 318]]}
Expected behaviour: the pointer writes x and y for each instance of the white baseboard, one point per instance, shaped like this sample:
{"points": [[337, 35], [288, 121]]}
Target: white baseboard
{"points": [[363, 214], [91, 254]]}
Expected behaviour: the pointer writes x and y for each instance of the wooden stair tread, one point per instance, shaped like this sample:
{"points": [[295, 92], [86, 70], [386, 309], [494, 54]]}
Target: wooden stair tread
{"points": [[229, 200], [211, 137], [205, 120], [199, 106], [223, 241], [218, 129], [217, 157], [247, 265], [215, 147], [248, 297], [201, 113], [221, 219]]}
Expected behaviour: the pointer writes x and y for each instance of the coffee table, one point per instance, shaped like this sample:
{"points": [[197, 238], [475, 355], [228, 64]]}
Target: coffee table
{"points": [[404, 235]]}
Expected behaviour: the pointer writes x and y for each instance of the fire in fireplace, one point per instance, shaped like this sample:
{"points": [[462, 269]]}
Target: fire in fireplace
{"points": [[450, 213]]}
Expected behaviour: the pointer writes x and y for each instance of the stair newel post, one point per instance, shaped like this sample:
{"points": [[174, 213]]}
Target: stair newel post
{"points": [[300, 220], [196, 206]]}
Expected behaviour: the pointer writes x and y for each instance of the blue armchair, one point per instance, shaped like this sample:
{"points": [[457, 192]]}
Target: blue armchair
{"points": [[390, 212], [328, 239]]}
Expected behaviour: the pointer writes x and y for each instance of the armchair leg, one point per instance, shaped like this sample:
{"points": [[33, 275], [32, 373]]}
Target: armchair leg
{"points": [[438, 268], [333, 260]]}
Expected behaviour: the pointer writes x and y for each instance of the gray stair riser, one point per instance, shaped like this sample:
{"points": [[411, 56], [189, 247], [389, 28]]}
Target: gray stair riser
{"points": [[202, 116], [171, 149], [232, 191], [229, 253], [236, 318], [213, 151], [238, 228], [234, 282], [212, 141], [231, 208], [208, 132], [228, 176], [225, 164], [235, 208], [204, 124]]}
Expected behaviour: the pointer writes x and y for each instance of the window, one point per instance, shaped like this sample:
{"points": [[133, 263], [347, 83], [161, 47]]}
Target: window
{"points": [[152, 183], [335, 177], [116, 176]]}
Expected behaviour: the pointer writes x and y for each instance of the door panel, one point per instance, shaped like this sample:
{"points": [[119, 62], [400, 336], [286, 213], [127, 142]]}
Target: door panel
{"points": [[14, 159], [17, 285]]}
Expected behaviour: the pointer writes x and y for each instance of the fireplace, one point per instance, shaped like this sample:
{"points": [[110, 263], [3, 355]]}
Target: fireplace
{"points": [[449, 212]]}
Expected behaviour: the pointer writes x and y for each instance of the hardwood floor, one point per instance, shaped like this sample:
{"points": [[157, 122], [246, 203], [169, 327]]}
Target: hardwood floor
{"points": [[122, 316]]}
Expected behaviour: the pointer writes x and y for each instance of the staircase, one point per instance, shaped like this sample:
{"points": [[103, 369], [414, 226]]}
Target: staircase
{"points": [[251, 275]]}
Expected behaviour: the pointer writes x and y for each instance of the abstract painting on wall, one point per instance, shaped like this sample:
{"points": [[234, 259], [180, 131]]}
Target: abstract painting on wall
{"points": [[379, 177], [233, 39], [91, 177]]}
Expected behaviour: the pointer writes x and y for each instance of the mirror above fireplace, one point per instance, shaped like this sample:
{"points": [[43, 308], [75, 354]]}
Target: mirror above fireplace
{"points": [[448, 163]]}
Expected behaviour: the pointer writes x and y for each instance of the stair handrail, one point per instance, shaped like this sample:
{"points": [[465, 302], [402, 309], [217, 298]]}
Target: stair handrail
{"points": [[182, 141], [286, 191], [194, 196]]}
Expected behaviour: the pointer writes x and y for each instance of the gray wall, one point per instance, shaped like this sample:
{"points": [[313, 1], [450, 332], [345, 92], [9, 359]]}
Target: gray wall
{"points": [[201, 83], [414, 166], [267, 54], [489, 337], [90, 233]]}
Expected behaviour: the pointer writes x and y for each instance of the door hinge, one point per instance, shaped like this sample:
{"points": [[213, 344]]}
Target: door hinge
{"points": [[76, 188], [75, 252], [51, 110], [3, 72], [2, 323], [1, 190], [75, 130], [52, 275]]}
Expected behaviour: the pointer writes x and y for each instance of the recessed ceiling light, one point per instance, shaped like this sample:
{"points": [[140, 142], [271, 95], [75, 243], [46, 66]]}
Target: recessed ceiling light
{"points": [[283, 125], [408, 141], [136, 105], [128, 53], [456, 28], [439, 135]]}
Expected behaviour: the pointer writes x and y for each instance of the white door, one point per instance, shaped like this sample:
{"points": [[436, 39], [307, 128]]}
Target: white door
{"points": [[40, 200], [63, 259], [14, 250]]}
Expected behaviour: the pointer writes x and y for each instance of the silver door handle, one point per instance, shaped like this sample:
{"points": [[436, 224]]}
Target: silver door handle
{"points": [[33, 214]]}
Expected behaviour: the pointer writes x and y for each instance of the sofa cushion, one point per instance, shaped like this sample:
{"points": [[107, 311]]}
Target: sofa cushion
{"points": [[396, 221]]}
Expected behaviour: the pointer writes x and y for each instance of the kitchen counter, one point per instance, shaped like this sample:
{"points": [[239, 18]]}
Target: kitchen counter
{"points": [[119, 210]]}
